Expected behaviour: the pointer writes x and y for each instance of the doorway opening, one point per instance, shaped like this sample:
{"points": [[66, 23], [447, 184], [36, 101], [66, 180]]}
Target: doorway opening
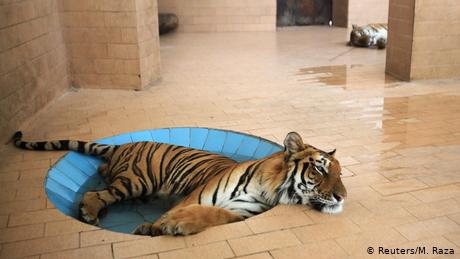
{"points": [[303, 12]]}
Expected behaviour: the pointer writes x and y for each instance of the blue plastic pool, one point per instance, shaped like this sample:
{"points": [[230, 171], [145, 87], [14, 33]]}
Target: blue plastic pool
{"points": [[76, 174]]}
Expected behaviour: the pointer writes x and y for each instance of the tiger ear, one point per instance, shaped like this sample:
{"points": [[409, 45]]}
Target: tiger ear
{"points": [[293, 143], [332, 153], [354, 26]]}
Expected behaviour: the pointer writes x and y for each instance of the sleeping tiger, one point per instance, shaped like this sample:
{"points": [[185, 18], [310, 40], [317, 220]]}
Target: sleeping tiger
{"points": [[215, 189], [374, 34]]}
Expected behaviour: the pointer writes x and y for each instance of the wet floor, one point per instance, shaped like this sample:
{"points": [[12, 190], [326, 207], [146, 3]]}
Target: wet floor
{"points": [[350, 77], [398, 143]]}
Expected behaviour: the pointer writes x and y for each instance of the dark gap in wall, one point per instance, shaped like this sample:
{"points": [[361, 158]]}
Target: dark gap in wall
{"points": [[303, 12]]}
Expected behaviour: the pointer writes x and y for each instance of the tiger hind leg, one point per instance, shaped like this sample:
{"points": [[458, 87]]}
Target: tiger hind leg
{"points": [[188, 220], [103, 171]]}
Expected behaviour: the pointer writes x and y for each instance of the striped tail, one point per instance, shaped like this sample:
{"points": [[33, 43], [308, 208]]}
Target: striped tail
{"points": [[87, 148]]}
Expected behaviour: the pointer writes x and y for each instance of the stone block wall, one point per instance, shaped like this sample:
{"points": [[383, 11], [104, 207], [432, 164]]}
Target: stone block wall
{"points": [[360, 12], [424, 39], [112, 43], [33, 63], [48, 45], [222, 15], [400, 34], [436, 39]]}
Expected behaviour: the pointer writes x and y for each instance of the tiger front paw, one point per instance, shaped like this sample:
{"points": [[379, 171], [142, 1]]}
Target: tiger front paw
{"points": [[147, 229], [87, 216], [89, 208], [179, 222]]}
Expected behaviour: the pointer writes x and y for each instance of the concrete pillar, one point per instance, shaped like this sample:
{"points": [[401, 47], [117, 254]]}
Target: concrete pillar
{"points": [[400, 36], [424, 39], [112, 44], [340, 13], [361, 12]]}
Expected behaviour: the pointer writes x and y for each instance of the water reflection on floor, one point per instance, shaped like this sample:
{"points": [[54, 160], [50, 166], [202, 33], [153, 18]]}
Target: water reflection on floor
{"points": [[355, 76]]}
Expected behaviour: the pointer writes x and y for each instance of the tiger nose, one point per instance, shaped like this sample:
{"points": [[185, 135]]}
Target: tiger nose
{"points": [[338, 197]]}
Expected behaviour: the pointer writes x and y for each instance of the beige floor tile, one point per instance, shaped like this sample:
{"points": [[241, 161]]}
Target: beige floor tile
{"points": [[152, 256], [357, 244], [21, 205], [102, 236], [400, 174], [362, 193], [39, 246], [437, 193], [351, 210], [263, 242], [146, 246], [21, 233], [264, 255], [364, 180], [33, 174], [390, 202], [428, 228], [39, 216], [278, 222], [101, 252], [31, 164], [435, 209], [399, 186], [392, 217], [214, 250], [9, 176], [66, 227], [329, 230], [321, 249], [455, 217], [454, 238], [3, 221], [218, 233], [439, 180]]}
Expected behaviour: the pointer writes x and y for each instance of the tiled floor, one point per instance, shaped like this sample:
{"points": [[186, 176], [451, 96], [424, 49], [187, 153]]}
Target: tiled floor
{"points": [[399, 145]]}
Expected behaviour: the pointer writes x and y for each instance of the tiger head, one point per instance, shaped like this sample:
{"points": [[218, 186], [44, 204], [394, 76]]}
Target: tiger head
{"points": [[359, 37], [315, 177]]}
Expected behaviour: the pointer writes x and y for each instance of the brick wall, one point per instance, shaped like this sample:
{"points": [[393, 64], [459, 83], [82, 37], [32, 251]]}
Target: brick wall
{"points": [[400, 33], [222, 15], [436, 40], [112, 44], [33, 64]]}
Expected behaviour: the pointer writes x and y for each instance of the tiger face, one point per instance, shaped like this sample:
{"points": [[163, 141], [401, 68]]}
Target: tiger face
{"points": [[315, 176], [359, 37]]}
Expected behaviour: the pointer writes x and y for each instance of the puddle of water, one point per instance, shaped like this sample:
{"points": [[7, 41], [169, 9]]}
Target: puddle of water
{"points": [[419, 120], [348, 76]]}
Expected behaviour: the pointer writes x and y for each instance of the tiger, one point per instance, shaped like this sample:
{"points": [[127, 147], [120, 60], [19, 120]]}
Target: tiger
{"points": [[215, 189], [374, 34]]}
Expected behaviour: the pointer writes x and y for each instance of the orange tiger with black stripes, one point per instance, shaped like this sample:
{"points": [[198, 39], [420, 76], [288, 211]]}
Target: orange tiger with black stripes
{"points": [[374, 34], [216, 189]]}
